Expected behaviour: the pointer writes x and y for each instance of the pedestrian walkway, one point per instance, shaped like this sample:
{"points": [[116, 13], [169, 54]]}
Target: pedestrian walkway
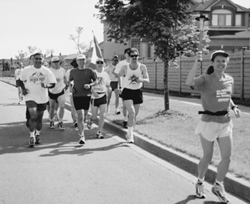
{"points": [[103, 171]]}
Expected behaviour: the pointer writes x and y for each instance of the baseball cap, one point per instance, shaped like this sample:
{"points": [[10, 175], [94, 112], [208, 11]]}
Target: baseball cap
{"points": [[99, 60], [218, 53], [55, 59], [81, 56]]}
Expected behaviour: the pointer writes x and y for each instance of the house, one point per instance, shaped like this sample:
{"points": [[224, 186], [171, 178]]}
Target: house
{"points": [[227, 21]]}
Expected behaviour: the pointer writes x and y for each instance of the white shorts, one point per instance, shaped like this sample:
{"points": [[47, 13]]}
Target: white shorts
{"points": [[212, 131]]}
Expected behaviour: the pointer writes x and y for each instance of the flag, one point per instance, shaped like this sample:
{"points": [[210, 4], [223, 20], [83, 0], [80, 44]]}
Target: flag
{"points": [[96, 53]]}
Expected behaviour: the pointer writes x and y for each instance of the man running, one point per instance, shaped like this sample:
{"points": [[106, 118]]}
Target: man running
{"points": [[83, 78], [114, 84], [134, 74], [57, 94], [35, 81], [18, 70], [99, 96], [120, 83]]}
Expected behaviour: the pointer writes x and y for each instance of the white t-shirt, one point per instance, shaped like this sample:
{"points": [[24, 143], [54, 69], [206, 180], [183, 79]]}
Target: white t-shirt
{"points": [[17, 73], [32, 78], [110, 70], [60, 85], [102, 81], [118, 69]]}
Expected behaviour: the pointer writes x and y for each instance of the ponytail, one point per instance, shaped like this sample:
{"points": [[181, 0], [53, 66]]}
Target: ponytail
{"points": [[210, 70]]}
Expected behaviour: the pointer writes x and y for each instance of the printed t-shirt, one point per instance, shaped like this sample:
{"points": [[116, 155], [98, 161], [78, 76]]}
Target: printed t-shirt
{"points": [[131, 78], [60, 85], [215, 96], [32, 78], [81, 77], [102, 81], [111, 70]]}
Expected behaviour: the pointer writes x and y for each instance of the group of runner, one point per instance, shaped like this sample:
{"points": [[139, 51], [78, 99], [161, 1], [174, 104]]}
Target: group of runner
{"points": [[90, 91], [94, 88]]}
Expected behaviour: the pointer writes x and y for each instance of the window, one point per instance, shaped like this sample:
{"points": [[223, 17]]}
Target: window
{"points": [[221, 17], [238, 21], [144, 49]]}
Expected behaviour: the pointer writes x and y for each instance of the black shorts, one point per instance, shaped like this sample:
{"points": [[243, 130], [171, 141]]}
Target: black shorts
{"points": [[55, 96], [114, 85], [18, 83], [99, 101], [134, 95], [81, 102], [33, 104]]}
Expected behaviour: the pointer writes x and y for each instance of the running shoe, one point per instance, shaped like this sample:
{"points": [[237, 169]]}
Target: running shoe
{"points": [[199, 188], [219, 191], [89, 124], [52, 125], [117, 112], [60, 126], [130, 138], [125, 124], [99, 135], [32, 141], [38, 138], [82, 140]]}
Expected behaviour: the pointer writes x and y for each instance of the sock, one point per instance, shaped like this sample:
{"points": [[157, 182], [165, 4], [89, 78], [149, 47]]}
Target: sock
{"points": [[130, 130], [38, 132], [32, 134], [125, 119], [200, 180]]}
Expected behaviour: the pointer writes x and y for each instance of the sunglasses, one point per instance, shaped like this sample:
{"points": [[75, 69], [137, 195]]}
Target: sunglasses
{"points": [[133, 56], [38, 58], [56, 62], [99, 62]]}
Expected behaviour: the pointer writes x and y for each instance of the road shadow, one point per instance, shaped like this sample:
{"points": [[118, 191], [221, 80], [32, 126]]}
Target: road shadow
{"points": [[14, 138], [186, 200], [212, 202]]}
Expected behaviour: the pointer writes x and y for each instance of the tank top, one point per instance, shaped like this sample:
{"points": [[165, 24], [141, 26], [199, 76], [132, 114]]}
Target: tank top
{"points": [[131, 78]]}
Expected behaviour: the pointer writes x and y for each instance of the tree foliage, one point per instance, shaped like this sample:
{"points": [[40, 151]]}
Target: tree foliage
{"points": [[80, 46]]}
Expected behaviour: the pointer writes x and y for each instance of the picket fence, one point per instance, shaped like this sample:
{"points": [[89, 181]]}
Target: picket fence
{"points": [[238, 68]]}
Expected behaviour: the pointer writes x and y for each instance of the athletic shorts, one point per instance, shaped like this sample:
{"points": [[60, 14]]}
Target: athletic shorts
{"points": [[99, 101], [55, 96], [212, 131], [81, 102], [114, 85], [33, 104], [18, 83], [134, 95]]}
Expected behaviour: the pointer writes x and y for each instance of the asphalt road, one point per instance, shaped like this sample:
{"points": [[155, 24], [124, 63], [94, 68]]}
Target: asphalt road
{"points": [[103, 171]]}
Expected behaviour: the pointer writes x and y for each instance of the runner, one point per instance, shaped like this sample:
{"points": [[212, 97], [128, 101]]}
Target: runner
{"points": [[120, 83], [114, 84], [134, 74], [57, 94], [83, 78], [73, 110], [99, 97], [18, 70], [35, 80], [216, 88]]}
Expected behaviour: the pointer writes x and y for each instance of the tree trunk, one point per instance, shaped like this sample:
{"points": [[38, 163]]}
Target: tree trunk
{"points": [[166, 89]]}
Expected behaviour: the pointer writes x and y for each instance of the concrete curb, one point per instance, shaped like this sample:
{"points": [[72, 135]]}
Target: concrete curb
{"points": [[233, 185]]}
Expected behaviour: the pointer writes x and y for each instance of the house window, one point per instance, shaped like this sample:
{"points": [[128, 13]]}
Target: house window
{"points": [[221, 17], [144, 49], [238, 21]]}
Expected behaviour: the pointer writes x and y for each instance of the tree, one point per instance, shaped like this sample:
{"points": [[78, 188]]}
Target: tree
{"points": [[21, 55], [166, 24], [81, 47]]}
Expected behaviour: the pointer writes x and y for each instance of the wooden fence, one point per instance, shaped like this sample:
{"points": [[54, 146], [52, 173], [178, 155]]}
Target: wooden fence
{"points": [[238, 68]]}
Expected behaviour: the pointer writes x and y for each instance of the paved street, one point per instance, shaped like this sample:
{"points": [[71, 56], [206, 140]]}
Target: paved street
{"points": [[103, 171]]}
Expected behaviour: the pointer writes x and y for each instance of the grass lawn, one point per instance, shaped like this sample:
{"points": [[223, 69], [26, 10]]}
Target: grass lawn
{"points": [[175, 128]]}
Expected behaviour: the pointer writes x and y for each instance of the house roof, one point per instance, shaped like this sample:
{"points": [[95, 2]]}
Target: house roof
{"points": [[205, 6], [239, 35]]}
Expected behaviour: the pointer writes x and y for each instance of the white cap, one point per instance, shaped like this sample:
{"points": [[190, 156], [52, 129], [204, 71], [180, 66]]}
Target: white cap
{"points": [[218, 53], [55, 59], [81, 56]]}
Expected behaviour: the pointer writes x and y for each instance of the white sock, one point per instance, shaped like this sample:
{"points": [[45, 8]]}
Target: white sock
{"points": [[38, 132], [130, 130], [200, 180], [32, 134], [219, 182], [125, 119]]}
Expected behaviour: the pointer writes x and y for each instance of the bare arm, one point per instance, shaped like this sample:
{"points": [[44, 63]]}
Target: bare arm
{"points": [[145, 77]]}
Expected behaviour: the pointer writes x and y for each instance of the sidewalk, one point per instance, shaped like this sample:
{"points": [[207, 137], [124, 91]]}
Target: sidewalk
{"points": [[233, 185]]}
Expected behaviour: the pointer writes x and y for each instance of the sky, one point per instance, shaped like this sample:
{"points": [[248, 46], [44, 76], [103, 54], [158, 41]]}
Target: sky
{"points": [[47, 24]]}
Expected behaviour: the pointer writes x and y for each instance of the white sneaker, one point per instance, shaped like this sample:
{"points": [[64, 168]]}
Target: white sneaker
{"points": [[82, 140], [130, 138]]}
